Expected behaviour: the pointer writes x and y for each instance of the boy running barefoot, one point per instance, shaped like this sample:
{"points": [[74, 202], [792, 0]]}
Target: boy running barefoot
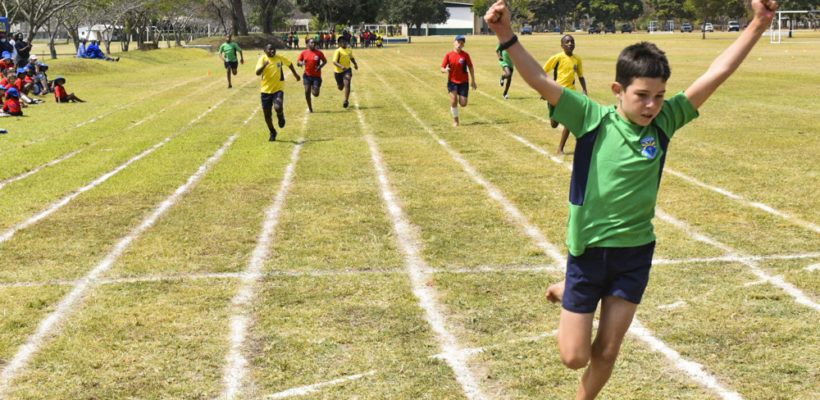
{"points": [[507, 67], [313, 60], [564, 66], [341, 60], [227, 52], [271, 68], [456, 64], [616, 172]]}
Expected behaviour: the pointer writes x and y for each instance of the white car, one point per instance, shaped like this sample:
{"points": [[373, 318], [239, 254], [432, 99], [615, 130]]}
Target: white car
{"points": [[708, 27]]}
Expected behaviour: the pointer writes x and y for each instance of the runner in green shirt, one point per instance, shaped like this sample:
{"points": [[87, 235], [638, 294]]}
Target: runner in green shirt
{"points": [[227, 53], [507, 66], [616, 172]]}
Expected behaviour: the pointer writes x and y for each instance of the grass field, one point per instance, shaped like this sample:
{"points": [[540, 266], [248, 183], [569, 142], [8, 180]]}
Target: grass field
{"points": [[155, 245]]}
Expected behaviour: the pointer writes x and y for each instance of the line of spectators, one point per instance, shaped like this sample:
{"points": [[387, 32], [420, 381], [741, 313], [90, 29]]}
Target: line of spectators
{"points": [[23, 76]]}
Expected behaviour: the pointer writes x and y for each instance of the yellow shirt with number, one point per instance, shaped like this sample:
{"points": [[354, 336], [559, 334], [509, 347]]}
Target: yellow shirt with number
{"points": [[563, 69], [273, 76], [343, 56]]}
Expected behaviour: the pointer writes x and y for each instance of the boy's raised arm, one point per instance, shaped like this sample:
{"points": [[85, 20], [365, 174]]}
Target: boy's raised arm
{"points": [[726, 63], [498, 18]]}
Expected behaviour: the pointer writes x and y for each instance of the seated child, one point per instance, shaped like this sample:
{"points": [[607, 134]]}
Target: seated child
{"points": [[24, 85], [6, 62], [60, 94], [12, 105]]}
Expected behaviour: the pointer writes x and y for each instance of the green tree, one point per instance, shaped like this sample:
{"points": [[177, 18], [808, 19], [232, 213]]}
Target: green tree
{"points": [[667, 9], [268, 14], [415, 13], [545, 10], [345, 12]]}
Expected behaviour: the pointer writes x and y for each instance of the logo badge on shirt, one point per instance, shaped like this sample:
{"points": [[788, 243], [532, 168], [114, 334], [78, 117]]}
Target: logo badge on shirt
{"points": [[461, 61], [649, 148]]}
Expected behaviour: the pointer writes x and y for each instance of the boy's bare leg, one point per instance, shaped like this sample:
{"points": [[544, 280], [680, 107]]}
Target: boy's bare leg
{"points": [[564, 136], [556, 292], [307, 98], [616, 317], [454, 105], [574, 337]]}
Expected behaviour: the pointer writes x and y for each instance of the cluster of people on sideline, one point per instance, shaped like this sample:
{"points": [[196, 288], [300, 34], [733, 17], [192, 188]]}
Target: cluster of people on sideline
{"points": [[23, 76], [92, 51], [329, 39]]}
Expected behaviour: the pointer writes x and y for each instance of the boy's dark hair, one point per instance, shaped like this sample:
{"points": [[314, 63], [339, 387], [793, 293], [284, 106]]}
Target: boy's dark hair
{"points": [[341, 39], [641, 60]]}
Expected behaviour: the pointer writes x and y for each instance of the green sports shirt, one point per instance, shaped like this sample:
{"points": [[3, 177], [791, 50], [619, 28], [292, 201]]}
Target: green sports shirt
{"points": [[230, 50], [505, 60], [616, 170]]}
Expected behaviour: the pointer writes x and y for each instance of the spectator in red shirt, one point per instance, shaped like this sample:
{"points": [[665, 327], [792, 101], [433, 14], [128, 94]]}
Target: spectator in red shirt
{"points": [[12, 107], [60, 94], [456, 64], [313, 60]]}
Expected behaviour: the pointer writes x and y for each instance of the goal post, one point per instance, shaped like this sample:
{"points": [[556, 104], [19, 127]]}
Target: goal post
{"points": [[786, 21]]}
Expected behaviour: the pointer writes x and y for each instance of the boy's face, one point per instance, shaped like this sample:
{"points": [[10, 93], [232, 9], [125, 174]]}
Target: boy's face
{"points": [[642, 100], [458, 45], [227, 38], [343, 44], [568, 44], [311, 44], [270, 50]]}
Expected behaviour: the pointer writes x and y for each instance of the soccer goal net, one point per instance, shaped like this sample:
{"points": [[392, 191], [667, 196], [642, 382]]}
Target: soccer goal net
{"points": [[796, 27]]}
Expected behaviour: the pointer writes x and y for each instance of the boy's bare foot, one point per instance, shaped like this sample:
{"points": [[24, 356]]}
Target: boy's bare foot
{"points": [[560, 153], [556, 292], [553, 123]]}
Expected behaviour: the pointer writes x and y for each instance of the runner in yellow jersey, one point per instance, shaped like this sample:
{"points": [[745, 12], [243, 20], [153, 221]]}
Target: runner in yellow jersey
{"points": [[271, 68], [342, 59], [563, 67]]}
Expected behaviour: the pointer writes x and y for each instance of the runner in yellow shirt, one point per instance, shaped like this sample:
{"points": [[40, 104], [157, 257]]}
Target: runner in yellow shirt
{"points": [[341, 60], [563, 67], [271, 68]]}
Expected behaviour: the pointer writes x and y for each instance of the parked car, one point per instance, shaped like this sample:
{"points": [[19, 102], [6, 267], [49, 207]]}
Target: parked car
{"points": [[708, 27], [734, 26], [594, 29], [668, 27], [686, 27], [526, 30], [609, 29], [626, 28]]}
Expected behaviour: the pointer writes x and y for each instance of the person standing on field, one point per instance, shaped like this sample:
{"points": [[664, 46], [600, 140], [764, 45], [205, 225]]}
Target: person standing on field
{"points": [[227, 52], [456, 64], [507, 67], [271, 68], [563, 67]]}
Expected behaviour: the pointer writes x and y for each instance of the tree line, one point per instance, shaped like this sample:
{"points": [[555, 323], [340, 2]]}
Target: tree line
{"points": [[171, 20]]}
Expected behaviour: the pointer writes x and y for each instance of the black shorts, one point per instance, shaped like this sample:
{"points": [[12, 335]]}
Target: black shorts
{"points": [[340, 76], [269, 98], [606, 271], [231, 64], [312, 80], [463, 89]]}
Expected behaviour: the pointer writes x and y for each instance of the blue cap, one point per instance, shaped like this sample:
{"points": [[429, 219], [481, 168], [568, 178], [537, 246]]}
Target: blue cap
{"points": [[58, 78], [461, 37], [12, 92], [6, 54], [2, 87], [21, 71]]}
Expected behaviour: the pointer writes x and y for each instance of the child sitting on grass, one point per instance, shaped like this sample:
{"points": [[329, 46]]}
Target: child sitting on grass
{"points": [[12, 106], [60, 94], [617, 168]]}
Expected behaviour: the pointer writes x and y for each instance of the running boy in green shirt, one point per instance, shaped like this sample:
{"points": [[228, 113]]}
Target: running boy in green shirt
{"points": [[506, 66], [227, 52], [616, 173]]}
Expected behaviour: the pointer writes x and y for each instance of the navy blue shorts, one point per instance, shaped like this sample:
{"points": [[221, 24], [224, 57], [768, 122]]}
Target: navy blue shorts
{"points": [[231, 64], [606, 271], [462, 88], [340, 77], [268, 98], [312, 80]]}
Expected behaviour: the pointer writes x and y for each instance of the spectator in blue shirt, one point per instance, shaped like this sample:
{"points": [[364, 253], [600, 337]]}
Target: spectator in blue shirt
{"points": [[93, 51]]}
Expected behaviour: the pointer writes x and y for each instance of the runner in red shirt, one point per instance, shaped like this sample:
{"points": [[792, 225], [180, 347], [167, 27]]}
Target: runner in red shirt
{"points": [[313, 60], [456, 64]]}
